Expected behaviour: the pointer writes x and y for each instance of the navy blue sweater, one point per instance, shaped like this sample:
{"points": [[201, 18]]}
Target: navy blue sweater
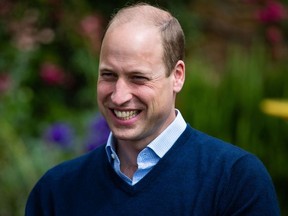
{"points": [[199, 175]]}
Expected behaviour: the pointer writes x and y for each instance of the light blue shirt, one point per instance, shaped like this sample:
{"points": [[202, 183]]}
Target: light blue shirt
{"points": [[150, 155]]}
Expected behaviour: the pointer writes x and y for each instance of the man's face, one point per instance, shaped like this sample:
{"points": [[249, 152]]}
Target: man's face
{"points": [[133, 92]]}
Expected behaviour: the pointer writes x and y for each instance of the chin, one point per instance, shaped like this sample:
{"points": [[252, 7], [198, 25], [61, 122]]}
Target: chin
{"points": [[124, 135]]}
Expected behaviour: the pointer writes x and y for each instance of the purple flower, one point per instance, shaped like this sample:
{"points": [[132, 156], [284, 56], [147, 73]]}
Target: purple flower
{"points": [[60, 134], [98, 133]]}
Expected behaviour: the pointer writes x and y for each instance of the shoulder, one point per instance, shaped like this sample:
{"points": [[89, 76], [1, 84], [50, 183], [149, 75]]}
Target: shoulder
{"points": [[60, 183], [241, 180], [212, 153], [202, 143], [75, 167]]}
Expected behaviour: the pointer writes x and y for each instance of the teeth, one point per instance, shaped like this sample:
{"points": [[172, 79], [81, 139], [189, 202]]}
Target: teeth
{"points": [[125, 115]]}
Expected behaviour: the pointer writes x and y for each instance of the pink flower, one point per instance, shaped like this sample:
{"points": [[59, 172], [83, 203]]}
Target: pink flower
{"points": [[274, 35], [25, 32], [52, 74], [5, 7], [92, 28], [273, 12], [91, 25], [5, 82]]}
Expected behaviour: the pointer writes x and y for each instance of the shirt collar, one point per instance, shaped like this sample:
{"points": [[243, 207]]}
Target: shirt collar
{"points": [[161, 144]]}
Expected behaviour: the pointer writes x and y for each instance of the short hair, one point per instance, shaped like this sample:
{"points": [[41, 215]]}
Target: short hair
{"points": [[173, 40]]}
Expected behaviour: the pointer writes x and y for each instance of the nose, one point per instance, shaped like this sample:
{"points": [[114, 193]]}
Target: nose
{"points": [[121, 93]]}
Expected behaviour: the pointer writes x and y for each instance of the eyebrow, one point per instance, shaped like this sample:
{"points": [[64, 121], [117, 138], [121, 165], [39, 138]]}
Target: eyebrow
{"points": [[139, 71]]}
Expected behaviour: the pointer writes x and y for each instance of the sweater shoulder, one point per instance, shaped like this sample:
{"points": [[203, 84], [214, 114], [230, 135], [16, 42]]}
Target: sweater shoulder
{"points": [[76, 166], [200, 141], [206, 150], [213, 158]]}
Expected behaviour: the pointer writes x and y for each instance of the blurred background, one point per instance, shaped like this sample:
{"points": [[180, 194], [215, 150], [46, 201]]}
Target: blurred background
{"points": [[236, 84]]}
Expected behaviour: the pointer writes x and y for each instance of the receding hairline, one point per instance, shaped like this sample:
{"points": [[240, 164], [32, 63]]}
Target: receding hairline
{"points": [[143, 13], [168, 27]]}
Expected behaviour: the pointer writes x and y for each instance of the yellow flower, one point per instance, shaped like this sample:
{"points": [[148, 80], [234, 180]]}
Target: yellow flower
{"points": [[277, 108]]}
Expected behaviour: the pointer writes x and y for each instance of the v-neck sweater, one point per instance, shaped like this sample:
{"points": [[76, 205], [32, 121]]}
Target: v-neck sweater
{"points": [[199, 175]]}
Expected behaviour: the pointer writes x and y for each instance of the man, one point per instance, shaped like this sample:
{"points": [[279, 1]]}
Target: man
{"points": [[153, 163]]}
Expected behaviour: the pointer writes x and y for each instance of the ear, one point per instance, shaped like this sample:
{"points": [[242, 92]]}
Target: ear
{"points": [[179, 76]]}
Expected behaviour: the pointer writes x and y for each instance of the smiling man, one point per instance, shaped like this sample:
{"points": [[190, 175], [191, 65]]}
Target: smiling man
{"points": [[153, 163], [136, 92]]}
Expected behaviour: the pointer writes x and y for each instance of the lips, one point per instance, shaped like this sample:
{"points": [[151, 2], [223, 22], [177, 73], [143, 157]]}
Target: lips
{"points": [[126, 115]]}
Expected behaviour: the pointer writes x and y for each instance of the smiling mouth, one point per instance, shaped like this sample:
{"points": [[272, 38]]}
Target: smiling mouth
{"points": [[126, 115]]}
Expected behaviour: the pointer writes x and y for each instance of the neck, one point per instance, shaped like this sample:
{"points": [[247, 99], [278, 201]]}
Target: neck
{"points": [[128, 158], [128, 170]]}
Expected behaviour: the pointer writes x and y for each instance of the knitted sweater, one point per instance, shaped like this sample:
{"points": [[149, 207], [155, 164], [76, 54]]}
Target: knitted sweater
{"points": [[199, 175]]}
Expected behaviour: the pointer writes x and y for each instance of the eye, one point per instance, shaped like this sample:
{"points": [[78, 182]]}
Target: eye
{"points": [[108, 75], [139, 79]]}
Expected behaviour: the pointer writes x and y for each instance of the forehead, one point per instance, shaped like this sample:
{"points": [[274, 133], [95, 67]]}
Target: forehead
{"points": [[132, 34], [131, 44]]}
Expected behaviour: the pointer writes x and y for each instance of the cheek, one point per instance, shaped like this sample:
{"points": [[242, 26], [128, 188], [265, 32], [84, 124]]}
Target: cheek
{"points": [[103, 90], [159, 98], [165, 96]]}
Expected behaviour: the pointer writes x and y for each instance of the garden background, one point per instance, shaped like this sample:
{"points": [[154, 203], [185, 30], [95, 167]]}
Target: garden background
{"points": [[236, 60]]}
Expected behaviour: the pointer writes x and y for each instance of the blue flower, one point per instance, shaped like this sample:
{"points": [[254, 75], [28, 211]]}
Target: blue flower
{"points": [[60, 134], [98, 133]]}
